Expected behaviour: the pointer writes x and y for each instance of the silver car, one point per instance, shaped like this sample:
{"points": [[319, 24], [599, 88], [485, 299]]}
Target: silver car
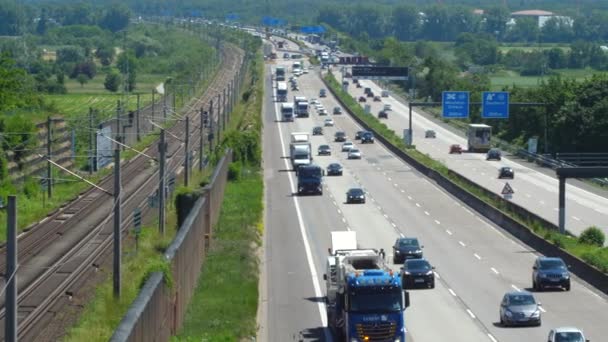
{"points": [[354, 153], [347, 146], [519, 308], [329, 122], [566, 334]]}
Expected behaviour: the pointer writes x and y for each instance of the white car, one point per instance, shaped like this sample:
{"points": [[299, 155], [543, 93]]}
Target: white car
{"points": [[566, 334], [388, 107], [329, 122], [305, 71], [322, 111], [354, 153], [347, 146], [319, 106], [314, 101]]}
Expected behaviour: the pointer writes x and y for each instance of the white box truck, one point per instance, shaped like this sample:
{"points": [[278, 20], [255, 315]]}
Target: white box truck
{"points": [[287, 111]]}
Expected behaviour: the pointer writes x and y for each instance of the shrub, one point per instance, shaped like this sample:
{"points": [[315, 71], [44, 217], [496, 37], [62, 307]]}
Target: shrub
{"points": [[592, 236], [234, 171]]}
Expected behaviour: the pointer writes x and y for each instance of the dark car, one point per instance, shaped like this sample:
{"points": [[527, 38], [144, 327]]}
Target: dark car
{"points": [[519, 308], [362, 99], [493, 154], [359, 134], [370, 94], [550, 272], [285, 55], [417, 272], [455, 148], [334, 169], [355, 81], [355, 195], [340, 136], [430, 134], [358, 85], [324, 150], [367, 137], [367, 90], [318, 130], [382, 114], [377, 98], [406, 248], [506, 172], [337, 110], [322, 93]]}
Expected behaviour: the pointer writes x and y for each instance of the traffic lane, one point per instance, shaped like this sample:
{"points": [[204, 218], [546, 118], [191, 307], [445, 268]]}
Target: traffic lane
{"points": [[472, 255], [583, 212], [288, 279], [365, 219], [547, 183]]}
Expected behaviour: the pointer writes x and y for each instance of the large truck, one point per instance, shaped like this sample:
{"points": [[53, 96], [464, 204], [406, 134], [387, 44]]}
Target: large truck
{"points": [[282, 91], [300, 150], [287, 111], [296, 66], [479, 138], [279, 73], [365, 300], [310, 179], [300, 106]]}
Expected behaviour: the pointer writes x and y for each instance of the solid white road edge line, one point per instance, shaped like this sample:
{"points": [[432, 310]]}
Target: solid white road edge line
{"points": [[309, 259]]}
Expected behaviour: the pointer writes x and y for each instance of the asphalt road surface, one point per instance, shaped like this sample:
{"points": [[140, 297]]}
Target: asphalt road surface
{"points": [[476, 263], [534, 190]]}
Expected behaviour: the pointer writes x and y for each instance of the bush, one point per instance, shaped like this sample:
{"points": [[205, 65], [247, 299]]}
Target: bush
{"points": [[234, 171], [592, 236]]}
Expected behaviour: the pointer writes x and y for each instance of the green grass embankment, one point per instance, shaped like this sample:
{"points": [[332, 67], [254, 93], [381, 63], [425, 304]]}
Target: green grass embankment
{"points": [[596, 256]]}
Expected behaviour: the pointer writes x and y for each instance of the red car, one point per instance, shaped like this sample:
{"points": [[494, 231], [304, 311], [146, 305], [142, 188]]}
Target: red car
{"points": [[455, 149], [362, 99]]}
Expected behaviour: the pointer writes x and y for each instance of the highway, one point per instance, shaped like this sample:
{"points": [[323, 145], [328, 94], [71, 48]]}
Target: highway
{"points": [[476, 263], [534, 190]]}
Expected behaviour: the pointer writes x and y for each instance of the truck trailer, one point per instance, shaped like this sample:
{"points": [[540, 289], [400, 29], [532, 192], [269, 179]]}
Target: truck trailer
{"points": [[479, 138], [310, 179], [365, 300], [287, 111], [300, 150], [279, 73], [281, 91], [300, 106]]}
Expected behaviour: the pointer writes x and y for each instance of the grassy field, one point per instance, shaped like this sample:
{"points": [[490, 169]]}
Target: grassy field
{"points": [[224, 305], [510, 77], [531, 47]]}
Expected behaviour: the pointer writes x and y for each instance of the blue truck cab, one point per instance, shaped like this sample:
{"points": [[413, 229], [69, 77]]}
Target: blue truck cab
{"points": [[310, 179], [374, 306]]}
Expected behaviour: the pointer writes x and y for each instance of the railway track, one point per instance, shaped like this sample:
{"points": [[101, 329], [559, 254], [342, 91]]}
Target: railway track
{"points": [[59, 253]]}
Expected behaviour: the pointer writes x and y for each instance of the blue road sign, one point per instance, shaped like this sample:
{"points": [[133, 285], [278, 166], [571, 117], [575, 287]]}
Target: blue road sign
{"points": [[495, 105], [455, 104]]}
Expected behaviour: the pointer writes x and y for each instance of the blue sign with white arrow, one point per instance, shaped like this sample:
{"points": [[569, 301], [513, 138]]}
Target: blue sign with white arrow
{"points": [[495, 105], [455, 104]]}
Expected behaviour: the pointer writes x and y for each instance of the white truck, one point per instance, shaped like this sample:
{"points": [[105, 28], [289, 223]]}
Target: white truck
{"points": [[479, 138], [281, 91], [364, 295], [300, 106], [287, 111], [300, 149]]}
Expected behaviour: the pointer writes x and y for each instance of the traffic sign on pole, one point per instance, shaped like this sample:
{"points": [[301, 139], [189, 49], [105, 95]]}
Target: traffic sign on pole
{"points": [[507, 191], [455, 104], [495, 105]]}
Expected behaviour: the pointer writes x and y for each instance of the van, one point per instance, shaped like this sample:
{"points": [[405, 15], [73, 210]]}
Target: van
{"points": [[384, 93]]}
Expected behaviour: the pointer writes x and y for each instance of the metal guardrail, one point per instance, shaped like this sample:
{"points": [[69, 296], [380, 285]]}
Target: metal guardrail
{"points": [[546, 161]]}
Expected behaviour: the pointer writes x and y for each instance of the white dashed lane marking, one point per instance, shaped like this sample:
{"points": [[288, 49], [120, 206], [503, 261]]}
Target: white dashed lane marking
{"points": [[452, 292], [462, 243], [471, 313], [477, 256], [494, 270], [437, 221], [515, 288]]}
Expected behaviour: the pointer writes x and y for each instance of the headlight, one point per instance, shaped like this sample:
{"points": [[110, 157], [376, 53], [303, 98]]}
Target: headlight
{"points": [[429, 272], [508, 313], [418, 251], [566, 275], [353, 339], [397, 252], [536, 313], [406, 273]]}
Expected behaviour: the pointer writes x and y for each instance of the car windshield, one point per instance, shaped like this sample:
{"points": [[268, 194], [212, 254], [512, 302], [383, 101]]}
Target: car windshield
{"points": [[521, 300], [334, 166], [355, 192], [301, 156], [324, 147], [571, 336], [340, 134], [354, 150], [408, 242], [422, 265], [360, 301], [551, 264], [310, 172]]}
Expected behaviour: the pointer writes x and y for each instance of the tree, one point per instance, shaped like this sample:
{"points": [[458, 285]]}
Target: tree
{"points": [[82, 79], [126, 62], [105, 53], [131, 83], [69, 54], [16, 86], [88, 68], [525, 29], [116, 18], [496, 21], [556, 58], [405, 22], [112, 82], [41, 26], [556, 30]]}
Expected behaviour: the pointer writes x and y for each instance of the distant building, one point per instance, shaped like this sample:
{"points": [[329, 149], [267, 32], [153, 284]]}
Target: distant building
{"points": [[540, 16]]}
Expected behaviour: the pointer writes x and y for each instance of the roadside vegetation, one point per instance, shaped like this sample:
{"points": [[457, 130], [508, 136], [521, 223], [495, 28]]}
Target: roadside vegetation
{"points": [[589, 246], [103, 314], [224, 305]]}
